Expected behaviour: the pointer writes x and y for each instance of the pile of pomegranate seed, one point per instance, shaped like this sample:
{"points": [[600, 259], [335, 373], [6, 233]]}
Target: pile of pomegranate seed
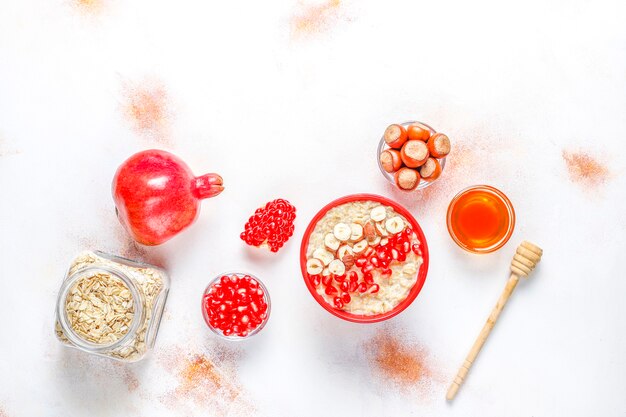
{"points": [[235, 305], [271, 225], [340, 286]]}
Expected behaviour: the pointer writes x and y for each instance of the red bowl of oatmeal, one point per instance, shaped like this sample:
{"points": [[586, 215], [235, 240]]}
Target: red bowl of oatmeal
{"points": [[364, 258]]}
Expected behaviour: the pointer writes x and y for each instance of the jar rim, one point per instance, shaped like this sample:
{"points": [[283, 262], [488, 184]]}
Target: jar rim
{"points": [[61, 312]]}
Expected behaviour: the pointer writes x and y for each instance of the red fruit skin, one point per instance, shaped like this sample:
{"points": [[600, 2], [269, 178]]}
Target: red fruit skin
{"points": [[157, 196]]}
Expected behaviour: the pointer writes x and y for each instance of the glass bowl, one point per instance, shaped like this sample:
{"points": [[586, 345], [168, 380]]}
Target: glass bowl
{"points": [[382, 146], [421, 274], [254, 331], [508, 218]]}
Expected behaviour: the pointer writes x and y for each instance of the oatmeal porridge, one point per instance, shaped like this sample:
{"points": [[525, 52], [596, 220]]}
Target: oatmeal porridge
{"points": [[363, 257]]}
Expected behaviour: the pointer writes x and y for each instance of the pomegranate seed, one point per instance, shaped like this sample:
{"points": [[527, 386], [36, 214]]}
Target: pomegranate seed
{"points": [[344, 286], [327, 279], [374, 288], [368, 278], [367, 268], [406, 247], [384, 264], [353, 286], [394, 254], [401, 257], [387, 271], [416, 249], [330, 290], [360, 262], [408, 231], [338, 303], [232, 304], [362, 287], [315, 280], [272, 224], [340, 278], [374, 261], [345, 297], [354, 277]]}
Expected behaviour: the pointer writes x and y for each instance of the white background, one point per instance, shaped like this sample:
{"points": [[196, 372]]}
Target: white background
{"points": [[297, 113]]}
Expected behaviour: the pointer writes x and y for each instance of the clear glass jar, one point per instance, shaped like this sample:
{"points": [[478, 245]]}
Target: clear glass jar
{"points": [[262, 317], [382, 146], [111, 306]]}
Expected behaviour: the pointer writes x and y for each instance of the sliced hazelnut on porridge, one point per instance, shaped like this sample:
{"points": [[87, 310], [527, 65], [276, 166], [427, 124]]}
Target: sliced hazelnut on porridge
{"points": [[395, 225], [314, 266], [344, 250], [342, 232], [375, 241], [360, 246], [357, 232], [337, 267], [380, 228], [378, 213], [325, 272], [384, 241], [331, 242], [323, 255]]}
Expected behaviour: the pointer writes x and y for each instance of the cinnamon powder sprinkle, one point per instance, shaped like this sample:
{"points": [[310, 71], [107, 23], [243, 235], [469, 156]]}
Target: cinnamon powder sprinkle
{"points": [[315, 18], [584, 169], [87, 7], [200, 371], [146, 106], [397, 361], [5, 150], [202, 383]]}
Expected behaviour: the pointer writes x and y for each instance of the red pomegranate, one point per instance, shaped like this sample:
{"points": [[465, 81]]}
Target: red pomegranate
{"points": [[157, 196]]}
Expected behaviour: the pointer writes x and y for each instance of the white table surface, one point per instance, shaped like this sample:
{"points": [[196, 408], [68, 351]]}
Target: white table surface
{"points": [[288, 109]]}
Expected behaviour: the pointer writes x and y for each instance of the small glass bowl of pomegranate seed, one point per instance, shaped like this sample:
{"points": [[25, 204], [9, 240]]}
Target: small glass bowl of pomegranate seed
{"points": [[236, 305]]}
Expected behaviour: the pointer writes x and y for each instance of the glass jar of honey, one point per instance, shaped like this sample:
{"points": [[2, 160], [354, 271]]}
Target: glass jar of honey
{"points": [[480, 219]]}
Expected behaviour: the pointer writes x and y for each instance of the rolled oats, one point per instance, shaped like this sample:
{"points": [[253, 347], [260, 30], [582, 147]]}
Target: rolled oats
{"points": [[111, 306]]}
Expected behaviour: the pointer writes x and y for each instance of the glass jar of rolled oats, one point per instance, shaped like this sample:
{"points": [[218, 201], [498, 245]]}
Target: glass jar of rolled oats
{"points": [[111, 306]]}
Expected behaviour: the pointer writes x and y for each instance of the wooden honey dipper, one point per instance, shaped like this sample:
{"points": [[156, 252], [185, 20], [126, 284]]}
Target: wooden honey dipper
{"points": [[526, 257]]}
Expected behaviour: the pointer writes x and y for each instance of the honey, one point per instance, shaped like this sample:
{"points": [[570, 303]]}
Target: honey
{"points": [[481, 219]]}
